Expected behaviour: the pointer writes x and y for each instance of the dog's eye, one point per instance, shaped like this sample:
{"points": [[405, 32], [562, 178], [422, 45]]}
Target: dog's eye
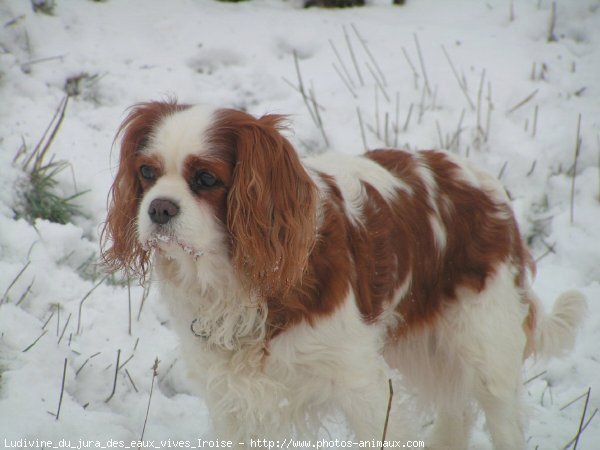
{"points": [[147, 173], [203, 180]]}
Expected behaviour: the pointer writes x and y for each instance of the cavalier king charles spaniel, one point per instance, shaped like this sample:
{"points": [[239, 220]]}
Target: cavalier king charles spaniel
{"points": [[297, 285]]}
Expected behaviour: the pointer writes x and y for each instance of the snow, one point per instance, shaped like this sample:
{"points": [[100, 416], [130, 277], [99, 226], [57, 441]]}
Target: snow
{"points": [[241, 55]]}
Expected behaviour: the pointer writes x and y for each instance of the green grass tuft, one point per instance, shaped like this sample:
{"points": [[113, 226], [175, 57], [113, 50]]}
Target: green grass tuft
{"points": [[40, 199]]}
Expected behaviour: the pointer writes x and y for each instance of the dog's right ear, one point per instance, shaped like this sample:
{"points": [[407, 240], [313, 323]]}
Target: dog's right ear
{"points": [[271, 204], [120, 247]]}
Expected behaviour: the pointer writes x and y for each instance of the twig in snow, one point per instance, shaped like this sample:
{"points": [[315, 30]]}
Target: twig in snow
{"points": [[57, 318], [114, 389], [422, 104], [62, 389], [548, 389], [562, 408], [372, 129], [351, 50], [26, 293], [85, 362], [166, 372], [319, 123], [40, 150], [64, 328], [439, 131], [387, 414], [535, 377], [346, 83], [369, 54], [434, 98], [385, 129], [462, 84], [456, 138], [522, 102], [407, 120], [549, 249], [31, 249], [488, 119], [532, 168], [48, 320], [339, 58], [577, 149], [423, 71], [85, 297], [585, 425], [131, 380], [14, 21], [378, 82], [309, 100], [362, 128], [154, 375], [126, 361], [377, 114], [414, 71], [12, 283], [551, 35], [26, 66], [502, 170], [30, 346], [581, 422], [479, 128], [535, 119], [301, 87], [294, 87], [22, 150]]}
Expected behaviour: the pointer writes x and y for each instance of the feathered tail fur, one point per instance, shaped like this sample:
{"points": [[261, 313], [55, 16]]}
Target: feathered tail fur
{"points": [[553, 334]]}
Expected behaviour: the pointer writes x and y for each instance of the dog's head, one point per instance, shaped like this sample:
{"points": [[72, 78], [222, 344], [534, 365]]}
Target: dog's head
{"points": [[197, 183]]}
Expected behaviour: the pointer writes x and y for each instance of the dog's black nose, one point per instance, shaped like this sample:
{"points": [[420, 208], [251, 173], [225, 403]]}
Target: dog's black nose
{"points": [[162, 210]]}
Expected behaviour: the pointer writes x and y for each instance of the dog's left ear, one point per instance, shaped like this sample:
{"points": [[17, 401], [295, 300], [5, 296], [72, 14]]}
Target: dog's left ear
{"points": [[271, 204]]}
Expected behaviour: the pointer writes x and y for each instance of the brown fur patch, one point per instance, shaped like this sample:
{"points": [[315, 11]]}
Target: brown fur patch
{"points": [[396, 240], [480, 234]]}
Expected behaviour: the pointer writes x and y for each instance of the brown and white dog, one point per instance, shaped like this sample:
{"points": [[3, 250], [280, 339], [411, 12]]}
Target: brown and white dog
{"points": [[297, 285]]}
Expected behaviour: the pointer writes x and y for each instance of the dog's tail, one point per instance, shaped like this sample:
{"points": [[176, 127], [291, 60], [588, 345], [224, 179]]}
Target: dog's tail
{"points": [[553, 334]]}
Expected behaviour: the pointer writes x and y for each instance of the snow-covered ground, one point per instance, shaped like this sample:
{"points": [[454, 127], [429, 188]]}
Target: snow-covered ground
{"points": [[241, 55]]}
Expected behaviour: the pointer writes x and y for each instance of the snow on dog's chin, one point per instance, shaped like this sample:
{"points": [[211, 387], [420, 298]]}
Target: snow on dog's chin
{"points": [[169, 245]]}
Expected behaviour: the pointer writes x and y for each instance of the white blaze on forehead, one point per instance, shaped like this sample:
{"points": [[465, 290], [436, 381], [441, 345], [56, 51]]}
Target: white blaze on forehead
{"points": [[181, 134]]}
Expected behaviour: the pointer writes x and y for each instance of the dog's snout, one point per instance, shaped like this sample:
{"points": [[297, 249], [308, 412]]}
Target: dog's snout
{"points": [[162, 210]]}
